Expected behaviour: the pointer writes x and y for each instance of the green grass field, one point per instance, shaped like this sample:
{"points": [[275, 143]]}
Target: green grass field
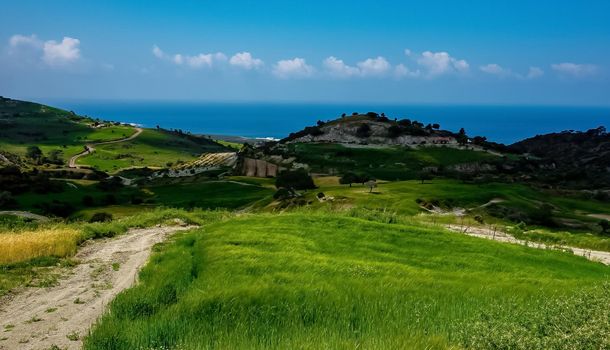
{"points": [[401, 198], [153, 148], [387, 163], [310, 280], [204, 194]]}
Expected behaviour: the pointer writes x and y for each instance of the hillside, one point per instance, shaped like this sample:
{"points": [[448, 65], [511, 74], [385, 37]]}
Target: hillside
{"points": [[61, 135], [313, 280], [572, 156]]}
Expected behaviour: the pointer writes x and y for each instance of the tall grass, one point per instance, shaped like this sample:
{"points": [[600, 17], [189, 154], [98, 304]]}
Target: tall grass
{"points": [[21, 246], [20, 242], [312, 280]]}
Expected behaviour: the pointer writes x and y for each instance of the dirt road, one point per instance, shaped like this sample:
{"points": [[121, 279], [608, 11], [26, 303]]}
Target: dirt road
{"points": [[594, 255], [39, 318], [90, 149]]}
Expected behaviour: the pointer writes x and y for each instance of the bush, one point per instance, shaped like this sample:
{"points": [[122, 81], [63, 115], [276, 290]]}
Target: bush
{"points": [[101, 217], [294, 179], [110, 184], [364, 130], [394, 131]]}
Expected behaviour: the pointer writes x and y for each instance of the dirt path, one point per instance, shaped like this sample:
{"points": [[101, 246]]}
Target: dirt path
{"points": [[90, 149], [38, 318], [594, 255]]}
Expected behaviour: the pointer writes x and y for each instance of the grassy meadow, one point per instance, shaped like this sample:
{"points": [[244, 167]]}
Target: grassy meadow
{"points": [[309, 279], [153, 148], [385, 163]]}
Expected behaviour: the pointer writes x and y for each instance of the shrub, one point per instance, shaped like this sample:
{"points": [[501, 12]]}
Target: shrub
{"points": [[101, 217], [394, 131]]}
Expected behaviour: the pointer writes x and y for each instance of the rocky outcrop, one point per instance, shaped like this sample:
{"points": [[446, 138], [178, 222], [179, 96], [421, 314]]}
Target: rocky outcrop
{"points": [[258, 168]]}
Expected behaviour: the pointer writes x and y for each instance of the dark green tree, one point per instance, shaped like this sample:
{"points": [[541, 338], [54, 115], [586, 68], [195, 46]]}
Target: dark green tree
{"points": [[294, 179], [34, 153]]}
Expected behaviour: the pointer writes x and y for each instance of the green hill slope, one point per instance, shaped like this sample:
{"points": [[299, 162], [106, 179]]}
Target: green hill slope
{"points": [[310, 280], [24, 124]]}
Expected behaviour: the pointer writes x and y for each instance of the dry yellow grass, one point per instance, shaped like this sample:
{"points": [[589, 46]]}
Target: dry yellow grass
{"points": [[25, 245]]}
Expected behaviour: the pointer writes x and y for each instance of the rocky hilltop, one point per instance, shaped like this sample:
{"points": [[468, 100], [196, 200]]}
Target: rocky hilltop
{"points": [[374, 129]]}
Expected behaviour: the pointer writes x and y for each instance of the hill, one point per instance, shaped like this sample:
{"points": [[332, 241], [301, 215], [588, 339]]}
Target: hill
{"points": [[572, 156], [61, 135]]}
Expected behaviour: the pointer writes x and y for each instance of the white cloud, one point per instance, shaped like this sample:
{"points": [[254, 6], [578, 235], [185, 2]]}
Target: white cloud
{"points": [[294, 68], [374, 66], [204, 60], [158, 52], [534, 72], [61, 53], [246, 61], [198, 61], [439, 63], [337, 68], [22, 40], [408, 52], [494, 69], [50, 52], [499, 71], [402, 71], [574, 69]]}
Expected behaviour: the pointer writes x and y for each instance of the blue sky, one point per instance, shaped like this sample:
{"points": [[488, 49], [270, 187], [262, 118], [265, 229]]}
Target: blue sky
{"points": [[466, 52]]}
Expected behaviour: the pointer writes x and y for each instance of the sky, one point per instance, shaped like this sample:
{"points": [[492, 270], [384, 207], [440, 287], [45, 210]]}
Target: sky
{"points": [[438, 52]]}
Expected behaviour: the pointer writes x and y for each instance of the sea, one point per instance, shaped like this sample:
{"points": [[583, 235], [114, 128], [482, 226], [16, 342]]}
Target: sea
{"points": [[504, 124]]}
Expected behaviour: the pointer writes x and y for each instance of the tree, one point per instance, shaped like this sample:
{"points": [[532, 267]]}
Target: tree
{"points": [[343, 115], [34, 153], [371, 184], [348, 178], [364, 130], [394, 131], [55, 157], [436, 126], [425, 176], [294, 179], [605, 226], [461, 138]]}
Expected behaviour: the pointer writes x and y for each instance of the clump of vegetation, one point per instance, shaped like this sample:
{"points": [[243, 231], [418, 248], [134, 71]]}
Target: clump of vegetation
{"points": [[295, 179], [101, 217]]}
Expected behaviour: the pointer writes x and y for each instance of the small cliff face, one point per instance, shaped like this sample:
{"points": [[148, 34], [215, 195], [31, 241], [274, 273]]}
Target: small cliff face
{"points": [[258, 168]]}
